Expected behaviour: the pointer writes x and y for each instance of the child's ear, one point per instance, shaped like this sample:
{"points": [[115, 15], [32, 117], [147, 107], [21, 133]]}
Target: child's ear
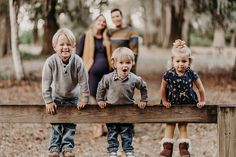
{"points": [[54, 48], [190, 61], [172, 58], [113, 63], [73, 49]]}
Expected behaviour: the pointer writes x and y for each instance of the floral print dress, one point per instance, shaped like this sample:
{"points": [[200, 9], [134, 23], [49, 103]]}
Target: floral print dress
{"points": [[180, 88]]}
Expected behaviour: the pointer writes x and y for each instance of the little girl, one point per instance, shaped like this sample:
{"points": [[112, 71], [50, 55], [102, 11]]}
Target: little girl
{"points": [[177, 88]]}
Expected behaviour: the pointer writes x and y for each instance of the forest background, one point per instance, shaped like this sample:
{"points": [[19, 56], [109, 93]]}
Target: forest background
{"points": [[27, 26]]}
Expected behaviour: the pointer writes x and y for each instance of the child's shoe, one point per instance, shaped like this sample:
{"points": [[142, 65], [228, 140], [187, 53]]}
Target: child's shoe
{"points": [[184, 146], [130, 154], [166, 147], [53, 154], [68, 153], [112, 154]]}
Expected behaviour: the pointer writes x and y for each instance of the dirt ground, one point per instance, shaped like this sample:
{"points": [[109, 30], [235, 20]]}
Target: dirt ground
{"points": [[31, 140]]}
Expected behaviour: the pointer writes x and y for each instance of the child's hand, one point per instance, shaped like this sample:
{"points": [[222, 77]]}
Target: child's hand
{"points": [[166, 104], [81, 105], [51, 108], [201, 104], [142, 104], [102, 104]]}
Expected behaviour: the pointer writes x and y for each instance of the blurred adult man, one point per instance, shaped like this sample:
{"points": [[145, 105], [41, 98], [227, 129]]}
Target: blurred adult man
{"points": [[123, 36]]}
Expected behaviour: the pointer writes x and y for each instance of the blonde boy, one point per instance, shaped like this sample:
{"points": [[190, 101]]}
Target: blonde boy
{"points": [[64, 81], [118, 87]]}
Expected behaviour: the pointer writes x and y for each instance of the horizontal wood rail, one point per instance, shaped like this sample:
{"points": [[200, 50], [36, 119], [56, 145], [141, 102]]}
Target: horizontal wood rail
{"points": [[223, 115], [113, 113]]}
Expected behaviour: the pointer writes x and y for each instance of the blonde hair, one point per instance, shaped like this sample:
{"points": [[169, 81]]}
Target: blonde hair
{"points": [[120, 53], [180, 49], [68, 33], [103, 31]]}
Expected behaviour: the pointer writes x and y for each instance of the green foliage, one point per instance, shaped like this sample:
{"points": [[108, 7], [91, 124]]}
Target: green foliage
{"points": [[28, 56], [200, 40], [25, 37]]}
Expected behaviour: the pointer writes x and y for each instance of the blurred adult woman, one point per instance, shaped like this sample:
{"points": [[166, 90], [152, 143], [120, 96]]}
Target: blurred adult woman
{"points": [[94, 48]]}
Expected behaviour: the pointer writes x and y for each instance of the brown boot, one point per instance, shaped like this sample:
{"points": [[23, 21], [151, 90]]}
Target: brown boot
{"points": [[167, 147], [184, 145]]}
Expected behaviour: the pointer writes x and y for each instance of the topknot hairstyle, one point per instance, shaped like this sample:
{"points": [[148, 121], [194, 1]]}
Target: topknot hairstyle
{"points": [[179, 43], [180, 48]]}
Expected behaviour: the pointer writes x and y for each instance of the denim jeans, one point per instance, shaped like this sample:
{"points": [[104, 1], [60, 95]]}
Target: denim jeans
{"points": [[63, 133], [125, 130]]}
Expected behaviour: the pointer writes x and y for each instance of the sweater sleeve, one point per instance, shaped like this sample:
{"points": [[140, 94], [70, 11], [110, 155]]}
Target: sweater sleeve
{"points": [[83, 82], [142, 86], [101, 90], [80, 45], [46, 82], [133, 42]]}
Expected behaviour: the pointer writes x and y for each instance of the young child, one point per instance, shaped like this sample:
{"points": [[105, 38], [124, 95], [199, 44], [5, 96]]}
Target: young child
{"points": [[64, 78], [118, 87], [177, 88]]}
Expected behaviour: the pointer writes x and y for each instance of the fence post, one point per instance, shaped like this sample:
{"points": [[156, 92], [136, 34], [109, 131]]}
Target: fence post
{"points": [[227, 130]]}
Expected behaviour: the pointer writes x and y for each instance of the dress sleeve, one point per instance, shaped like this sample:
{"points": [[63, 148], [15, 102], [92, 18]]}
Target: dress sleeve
{"points": [[165, 76], [194, 76], [80, 45]]}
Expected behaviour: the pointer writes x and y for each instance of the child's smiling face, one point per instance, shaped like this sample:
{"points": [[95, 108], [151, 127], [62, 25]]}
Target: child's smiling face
{"points": [[63, 47], [180, 63], [123, 66]]}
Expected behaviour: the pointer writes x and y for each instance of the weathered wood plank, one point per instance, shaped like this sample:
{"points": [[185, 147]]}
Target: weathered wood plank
{"points": [[227, 130], [113, 113]]}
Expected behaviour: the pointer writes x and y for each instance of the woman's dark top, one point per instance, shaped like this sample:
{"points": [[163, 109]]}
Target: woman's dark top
{"points": [[100, 65]]}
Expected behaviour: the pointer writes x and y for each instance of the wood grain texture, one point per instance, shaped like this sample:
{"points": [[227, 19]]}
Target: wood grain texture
{"points": [[227, 131], [113, 113]]}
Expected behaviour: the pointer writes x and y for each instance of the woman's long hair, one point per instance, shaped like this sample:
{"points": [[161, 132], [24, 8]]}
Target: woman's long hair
{"points": [[103, 31]]}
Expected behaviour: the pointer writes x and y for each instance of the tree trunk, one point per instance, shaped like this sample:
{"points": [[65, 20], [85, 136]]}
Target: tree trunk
{"points": [[3, 41], [219, 38], [35, 33], [232, 44], [177, 20], [174, 21], [147, 34], [14, 42], [188, 13], [4, 28], [50, 26], [186, 30], [233, 36], [162, 24], [168, 18]]}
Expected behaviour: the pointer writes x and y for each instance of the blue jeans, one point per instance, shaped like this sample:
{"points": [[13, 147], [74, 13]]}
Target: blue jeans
{"points": [[63, 133], [125, 130]]}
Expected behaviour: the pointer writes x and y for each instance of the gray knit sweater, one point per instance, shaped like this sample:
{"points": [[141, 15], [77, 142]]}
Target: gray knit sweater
{"points": [[64, 80], [115, 91]]}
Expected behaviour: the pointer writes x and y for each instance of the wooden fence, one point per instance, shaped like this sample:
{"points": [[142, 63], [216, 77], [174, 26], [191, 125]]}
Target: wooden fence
{"points": [[223, 115]]}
